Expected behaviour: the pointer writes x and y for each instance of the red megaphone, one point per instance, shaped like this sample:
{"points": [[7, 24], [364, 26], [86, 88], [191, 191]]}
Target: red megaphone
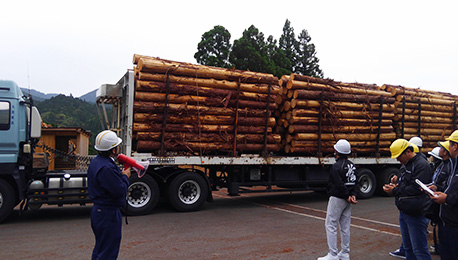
{"points": [[139, 167]]}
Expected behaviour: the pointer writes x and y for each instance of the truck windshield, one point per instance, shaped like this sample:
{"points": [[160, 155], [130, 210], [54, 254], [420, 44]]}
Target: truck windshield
{"points": [[4, 115]]}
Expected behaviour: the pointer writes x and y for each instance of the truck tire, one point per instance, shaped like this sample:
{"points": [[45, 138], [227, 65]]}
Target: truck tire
{"points": [[7, 200], [188, 192], [384, 177], [142, 195], [367, 183]]}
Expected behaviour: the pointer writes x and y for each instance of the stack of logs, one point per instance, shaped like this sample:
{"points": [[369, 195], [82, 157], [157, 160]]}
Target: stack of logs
{"points": [[318, 112], [428, 114], [182, 108]]}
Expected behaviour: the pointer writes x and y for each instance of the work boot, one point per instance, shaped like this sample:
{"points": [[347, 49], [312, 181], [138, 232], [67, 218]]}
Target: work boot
{"points": [[328, 257]]}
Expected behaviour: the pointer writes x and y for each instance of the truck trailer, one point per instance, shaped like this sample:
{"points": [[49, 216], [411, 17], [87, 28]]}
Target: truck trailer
{"points": [[185, 167]]}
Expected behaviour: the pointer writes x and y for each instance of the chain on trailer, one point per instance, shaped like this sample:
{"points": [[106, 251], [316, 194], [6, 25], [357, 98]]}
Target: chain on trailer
{"points": [[81, 162]]}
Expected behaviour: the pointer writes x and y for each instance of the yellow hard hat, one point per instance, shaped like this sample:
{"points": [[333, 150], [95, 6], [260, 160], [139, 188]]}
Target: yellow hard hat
{"points": [[398, 147], [445, 144], [453, 137], [415, 148]]}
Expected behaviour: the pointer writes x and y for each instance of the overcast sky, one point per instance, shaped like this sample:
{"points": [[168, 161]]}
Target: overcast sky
{"points": [[72, 47]]}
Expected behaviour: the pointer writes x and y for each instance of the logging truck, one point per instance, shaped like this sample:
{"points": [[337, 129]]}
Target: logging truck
{"points": [[188, 159]]}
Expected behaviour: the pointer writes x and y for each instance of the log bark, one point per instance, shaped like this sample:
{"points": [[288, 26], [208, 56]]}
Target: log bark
{"points": [[427, 119], [293, 84], [196, 147], [209, 137], [142, 127], [338, 129], [204, 119], [206, 101], [184, 109], [353, 137], [334, 96], [161, 87], [218, 84], [150, 64], [297, 103]]}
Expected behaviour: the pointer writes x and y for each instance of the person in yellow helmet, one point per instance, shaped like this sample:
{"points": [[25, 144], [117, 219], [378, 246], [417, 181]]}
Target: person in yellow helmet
{"points": [[414, 226], [448, 200]]}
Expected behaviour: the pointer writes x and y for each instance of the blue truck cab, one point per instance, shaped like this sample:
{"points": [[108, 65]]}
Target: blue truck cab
{"points": [[20, 129]]}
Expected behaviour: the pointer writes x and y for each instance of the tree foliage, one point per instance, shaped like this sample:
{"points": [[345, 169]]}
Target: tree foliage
{"points": [[214, 48], [63, 111], [254, 52]]}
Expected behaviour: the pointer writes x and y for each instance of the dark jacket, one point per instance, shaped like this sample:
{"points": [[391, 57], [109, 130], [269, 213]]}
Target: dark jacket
{"points": [[441, 174], [415, 168], [449, 210], [342, 179], [107, 185]]}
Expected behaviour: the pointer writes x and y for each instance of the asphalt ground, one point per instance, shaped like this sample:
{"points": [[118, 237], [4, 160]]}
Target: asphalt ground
{"points": [[250, 226]]}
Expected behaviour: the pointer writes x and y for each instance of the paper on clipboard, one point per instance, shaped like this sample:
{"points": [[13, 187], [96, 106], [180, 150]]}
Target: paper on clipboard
{"points": [[424, 187]]}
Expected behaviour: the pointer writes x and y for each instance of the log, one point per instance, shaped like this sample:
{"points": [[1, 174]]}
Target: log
{"points": [[343, 114], [204, 119], [297, 103], [414, 105], [413, 112], [292, 84], [297, 144], [431, 101], [338, 129], [161, 87], [196, 100], [337, 121], [196, 147], [209, 137], [352, 137], [333, 96], [427, 119], [142, 127], [150, 64], [307, 150], [184, 109]]}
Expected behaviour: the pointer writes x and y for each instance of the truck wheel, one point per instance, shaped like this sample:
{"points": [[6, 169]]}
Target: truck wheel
{"points": [[142, 195], [366, 182], [384, 177], [7, 199], [188, 192]]}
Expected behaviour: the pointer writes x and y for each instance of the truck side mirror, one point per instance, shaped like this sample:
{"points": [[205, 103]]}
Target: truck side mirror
{"points": [[35, 124]]}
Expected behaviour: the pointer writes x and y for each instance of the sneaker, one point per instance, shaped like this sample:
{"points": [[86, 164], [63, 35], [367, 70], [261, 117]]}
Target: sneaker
{"points": [[328, 257], [343, 256], [398, 253]]}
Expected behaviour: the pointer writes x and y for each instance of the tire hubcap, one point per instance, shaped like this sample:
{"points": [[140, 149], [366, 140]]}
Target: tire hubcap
{"points": [[138, 195], [189, 192]]}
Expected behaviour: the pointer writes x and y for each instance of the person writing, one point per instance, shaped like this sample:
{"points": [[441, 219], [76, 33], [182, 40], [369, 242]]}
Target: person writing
{"points": [[414, 226], [342, 189], [107, 186], [448, 200]]}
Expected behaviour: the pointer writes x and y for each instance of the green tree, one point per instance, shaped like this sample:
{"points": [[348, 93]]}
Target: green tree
{"points": [[253, 52], [288, 43], [214, 48], [307, 62]]}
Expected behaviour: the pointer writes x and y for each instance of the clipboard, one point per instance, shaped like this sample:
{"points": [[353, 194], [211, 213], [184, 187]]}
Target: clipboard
{"points": [[424, 187]]}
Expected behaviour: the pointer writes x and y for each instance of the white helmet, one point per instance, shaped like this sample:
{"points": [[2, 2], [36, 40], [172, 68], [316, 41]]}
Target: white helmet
{"points": [[343, 147], [435, 152], [416, 141], [106, 140]]}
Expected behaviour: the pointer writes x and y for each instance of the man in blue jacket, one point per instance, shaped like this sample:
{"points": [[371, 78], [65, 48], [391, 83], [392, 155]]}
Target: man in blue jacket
{"points": [[448, 200], [107, 186]]}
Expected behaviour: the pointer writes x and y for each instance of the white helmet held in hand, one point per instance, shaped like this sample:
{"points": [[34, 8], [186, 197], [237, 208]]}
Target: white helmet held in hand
{"points": [[343, 147], [106, 140], [416, 141]]}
